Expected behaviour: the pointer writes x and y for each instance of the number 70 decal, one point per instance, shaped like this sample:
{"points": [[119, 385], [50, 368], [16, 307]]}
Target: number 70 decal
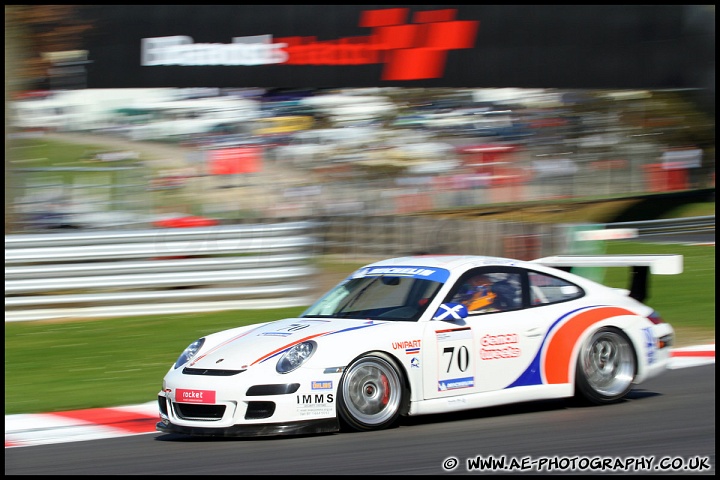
{"points": [[461, 358]]}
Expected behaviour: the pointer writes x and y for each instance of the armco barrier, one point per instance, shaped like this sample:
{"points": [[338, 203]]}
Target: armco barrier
{"points": [[110, 274], [264, 265]]}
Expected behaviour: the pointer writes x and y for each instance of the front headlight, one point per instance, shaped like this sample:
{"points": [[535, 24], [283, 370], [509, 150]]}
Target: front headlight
{"points": [[296, 356], [189, 352]]}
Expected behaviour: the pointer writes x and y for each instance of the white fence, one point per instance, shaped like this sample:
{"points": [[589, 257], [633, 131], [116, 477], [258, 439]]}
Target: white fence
{"points": [[253, 266], [123, 273], [110, 274]]}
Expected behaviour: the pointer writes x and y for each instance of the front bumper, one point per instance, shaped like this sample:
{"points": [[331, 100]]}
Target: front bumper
{"points": [[204, 405], [305, 427]]}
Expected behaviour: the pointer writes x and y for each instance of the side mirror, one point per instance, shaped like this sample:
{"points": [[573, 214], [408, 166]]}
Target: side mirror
{"points": [[451, 312]]}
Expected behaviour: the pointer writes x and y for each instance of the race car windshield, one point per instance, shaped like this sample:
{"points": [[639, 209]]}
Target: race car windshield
{"points": [[384, 297]]}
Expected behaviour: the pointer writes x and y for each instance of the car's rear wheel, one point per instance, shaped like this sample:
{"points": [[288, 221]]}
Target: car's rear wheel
{"points": [[606, 366], [371, 393]]}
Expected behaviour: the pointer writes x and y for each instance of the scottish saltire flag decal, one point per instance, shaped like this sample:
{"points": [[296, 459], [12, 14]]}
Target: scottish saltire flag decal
{"points": [[451, 311]]}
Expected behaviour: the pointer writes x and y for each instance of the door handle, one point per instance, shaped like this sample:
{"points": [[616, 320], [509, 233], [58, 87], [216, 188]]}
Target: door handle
{"points": [[533, 332]]}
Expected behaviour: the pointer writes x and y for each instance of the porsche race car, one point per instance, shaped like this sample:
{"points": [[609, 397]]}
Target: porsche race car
{"points": [[395, 339]]}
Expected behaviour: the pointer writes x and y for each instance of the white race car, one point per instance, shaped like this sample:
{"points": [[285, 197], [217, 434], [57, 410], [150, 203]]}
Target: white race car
{"points": [[423, 335]]}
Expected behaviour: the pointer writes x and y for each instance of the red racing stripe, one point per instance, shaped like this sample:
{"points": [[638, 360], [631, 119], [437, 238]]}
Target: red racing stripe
{"points": [[558, 354], [691, 353], [133, 422], [286, 346]]}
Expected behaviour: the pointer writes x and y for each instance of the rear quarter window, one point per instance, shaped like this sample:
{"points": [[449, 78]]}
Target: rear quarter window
{"points": [[546, 289]]}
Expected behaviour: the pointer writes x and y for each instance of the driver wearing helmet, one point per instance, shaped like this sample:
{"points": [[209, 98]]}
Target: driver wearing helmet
{"points": [[477, 294]]}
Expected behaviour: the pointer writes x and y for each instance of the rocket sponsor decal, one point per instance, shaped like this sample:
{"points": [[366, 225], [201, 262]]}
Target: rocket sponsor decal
{"points": [[194, 396]]}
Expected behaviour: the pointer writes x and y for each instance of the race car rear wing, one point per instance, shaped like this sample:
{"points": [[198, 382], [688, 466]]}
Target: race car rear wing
{"points": [[640, 265]]}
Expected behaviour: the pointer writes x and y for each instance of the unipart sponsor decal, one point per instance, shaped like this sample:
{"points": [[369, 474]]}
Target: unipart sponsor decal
{"points": [[495, 347], [411, 347], [194, 396]]}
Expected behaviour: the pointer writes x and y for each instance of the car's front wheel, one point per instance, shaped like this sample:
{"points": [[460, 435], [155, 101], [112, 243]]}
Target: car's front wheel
{"points": [[606, 366], [371, 393]]}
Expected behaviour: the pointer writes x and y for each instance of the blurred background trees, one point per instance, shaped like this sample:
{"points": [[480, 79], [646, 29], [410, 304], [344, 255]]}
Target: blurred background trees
{"points": [[33, 33]]}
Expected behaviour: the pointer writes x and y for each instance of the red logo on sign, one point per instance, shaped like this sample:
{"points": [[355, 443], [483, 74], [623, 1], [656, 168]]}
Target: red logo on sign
{"points": [[411, 51], [233, 161], [194, 396]]}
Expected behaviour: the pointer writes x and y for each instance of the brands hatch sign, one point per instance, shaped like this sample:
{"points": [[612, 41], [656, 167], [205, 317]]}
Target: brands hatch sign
{"points": [[355, 46], [408, 50]]}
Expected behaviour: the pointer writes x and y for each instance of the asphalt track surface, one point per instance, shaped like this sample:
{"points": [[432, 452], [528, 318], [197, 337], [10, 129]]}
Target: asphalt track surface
{"points": [[672, 416]]}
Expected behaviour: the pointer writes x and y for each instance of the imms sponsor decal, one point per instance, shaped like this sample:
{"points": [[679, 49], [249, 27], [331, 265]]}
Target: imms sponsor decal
{"points": [[409, 51], [315, 404], [321, 385], [414, 362], [314, 398]]}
